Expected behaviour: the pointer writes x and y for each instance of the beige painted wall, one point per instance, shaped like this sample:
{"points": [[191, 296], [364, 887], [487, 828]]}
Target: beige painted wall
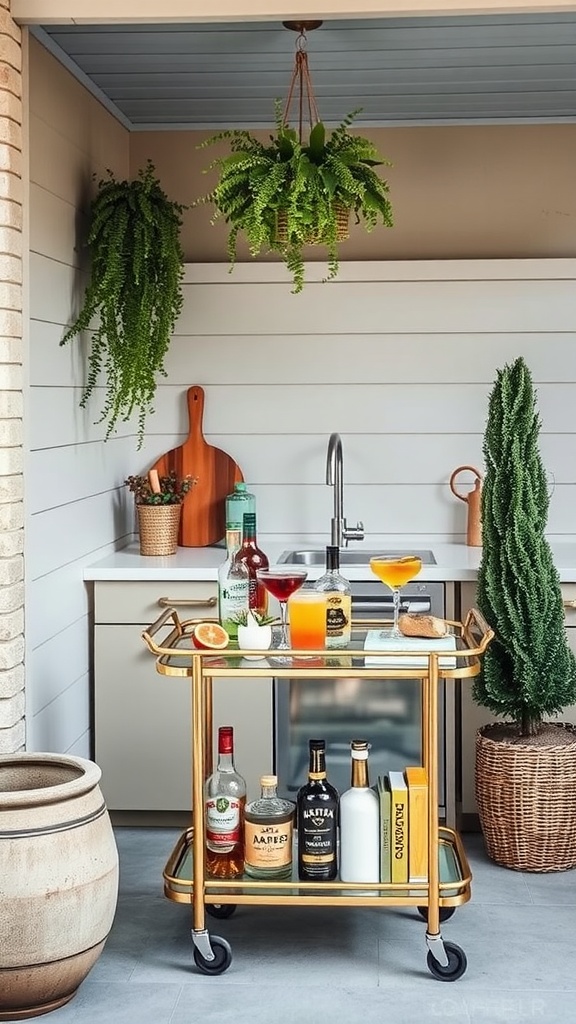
{"points": [[43, 11], [458, 192]]}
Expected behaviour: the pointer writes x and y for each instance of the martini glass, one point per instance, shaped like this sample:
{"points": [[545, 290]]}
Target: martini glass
{"points": [[281, 581], [395, 572]]}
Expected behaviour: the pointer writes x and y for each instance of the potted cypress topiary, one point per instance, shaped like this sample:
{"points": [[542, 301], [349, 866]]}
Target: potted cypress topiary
{"points": [[526, 765], [290, 193], [134, 294]]}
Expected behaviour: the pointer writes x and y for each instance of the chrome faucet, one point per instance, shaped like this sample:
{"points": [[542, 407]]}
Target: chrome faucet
{"points": [[340, 532]]}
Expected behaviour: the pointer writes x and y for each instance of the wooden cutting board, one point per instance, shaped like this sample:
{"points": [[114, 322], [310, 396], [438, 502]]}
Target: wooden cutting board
{"points": [[203, 519]]}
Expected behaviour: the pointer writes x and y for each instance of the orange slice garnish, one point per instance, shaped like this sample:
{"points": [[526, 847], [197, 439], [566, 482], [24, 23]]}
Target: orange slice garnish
{"points": [[210, 636]]}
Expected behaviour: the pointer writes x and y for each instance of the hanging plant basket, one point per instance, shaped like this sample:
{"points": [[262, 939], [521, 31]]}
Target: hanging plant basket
{"points": [[341, 220], [300, 187]]}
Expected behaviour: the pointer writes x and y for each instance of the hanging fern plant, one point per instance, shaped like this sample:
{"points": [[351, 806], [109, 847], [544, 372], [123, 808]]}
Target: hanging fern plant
{"points": [[134, 293]]}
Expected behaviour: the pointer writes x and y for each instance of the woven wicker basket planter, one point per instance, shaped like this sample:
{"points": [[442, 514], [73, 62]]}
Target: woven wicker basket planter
{"points": [[341, 213], [158, 526], [526, 797]]}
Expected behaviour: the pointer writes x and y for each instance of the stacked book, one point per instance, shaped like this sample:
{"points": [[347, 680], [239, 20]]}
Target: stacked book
{"points": [[404, 825]]}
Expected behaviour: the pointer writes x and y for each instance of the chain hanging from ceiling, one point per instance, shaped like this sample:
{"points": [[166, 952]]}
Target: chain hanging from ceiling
{"points": [[300, 90]]}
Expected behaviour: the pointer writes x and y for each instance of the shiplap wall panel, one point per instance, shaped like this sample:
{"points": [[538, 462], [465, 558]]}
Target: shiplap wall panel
{"points": [[58, 726], [442, 306], [407, 357], [53, 225], [74, 509], [79, 528], [58, 663], [45, 617]]}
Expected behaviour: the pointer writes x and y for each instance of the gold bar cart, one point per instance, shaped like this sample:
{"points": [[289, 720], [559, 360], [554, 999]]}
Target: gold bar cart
{"points": [[449, 876]]}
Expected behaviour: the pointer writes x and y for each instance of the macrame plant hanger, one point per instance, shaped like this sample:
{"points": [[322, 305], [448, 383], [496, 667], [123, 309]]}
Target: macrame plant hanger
{"points": [[301, 83]]}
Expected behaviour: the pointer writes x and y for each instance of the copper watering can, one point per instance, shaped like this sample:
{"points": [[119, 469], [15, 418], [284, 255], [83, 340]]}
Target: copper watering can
{"points": [[472, 499]]}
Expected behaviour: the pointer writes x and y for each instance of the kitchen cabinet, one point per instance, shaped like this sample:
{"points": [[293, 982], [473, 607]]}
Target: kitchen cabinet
{"points": [[142, 721], [475, 715]]}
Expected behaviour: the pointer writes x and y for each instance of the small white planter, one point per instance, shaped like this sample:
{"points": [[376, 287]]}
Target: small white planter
{"points": [[254, 638]]}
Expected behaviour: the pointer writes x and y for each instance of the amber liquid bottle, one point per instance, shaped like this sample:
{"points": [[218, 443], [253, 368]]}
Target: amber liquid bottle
{"points": [[317, 813], [253, 558], [224, 800]]}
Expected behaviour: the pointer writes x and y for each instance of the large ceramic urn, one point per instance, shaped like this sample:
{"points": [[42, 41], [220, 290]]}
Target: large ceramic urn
{"points": [[58, 879]]}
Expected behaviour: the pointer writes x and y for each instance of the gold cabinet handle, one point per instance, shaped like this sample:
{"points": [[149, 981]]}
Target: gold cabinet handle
{"points": [[188, 602], [570, 604]]}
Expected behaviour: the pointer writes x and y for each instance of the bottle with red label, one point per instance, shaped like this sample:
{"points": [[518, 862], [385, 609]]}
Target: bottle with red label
{"points": [[224, 800], [253, 558]]}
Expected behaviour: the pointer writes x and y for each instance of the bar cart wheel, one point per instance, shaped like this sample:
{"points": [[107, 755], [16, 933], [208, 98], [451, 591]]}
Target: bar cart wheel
{"points": [[445, 913], [222, 957], [456, 966], [220, 910]]}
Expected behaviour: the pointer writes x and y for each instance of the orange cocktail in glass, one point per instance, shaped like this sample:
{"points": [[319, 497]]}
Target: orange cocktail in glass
{"points": [[307, 611], [395, 572]]}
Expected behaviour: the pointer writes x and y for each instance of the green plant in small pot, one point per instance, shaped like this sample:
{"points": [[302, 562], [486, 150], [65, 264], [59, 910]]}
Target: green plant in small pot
{"points": [[288, 194], [526, 765], [133, 296], [254, 632], [158, 502]]}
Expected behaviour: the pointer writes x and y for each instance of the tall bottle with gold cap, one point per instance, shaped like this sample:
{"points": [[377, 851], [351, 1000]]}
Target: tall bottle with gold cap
{"points": [[359, 822], [317, 813]]}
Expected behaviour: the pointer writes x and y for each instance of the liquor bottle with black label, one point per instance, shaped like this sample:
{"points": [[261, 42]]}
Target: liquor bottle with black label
{"points": [[317, 813]]}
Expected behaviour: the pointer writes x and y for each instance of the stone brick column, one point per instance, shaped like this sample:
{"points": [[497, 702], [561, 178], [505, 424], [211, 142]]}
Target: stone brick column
{"points": [[12, 727]]}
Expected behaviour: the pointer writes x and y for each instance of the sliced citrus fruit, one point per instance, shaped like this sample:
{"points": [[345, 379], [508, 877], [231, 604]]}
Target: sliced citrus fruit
{"points": [[210, 636]]}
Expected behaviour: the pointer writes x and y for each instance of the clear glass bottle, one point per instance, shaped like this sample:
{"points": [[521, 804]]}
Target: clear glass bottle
{"points": [[224, 800], [253, 558], [317, 816], [233, 592], [359, 822], [338, 601], [237, 503], [268, 825]]}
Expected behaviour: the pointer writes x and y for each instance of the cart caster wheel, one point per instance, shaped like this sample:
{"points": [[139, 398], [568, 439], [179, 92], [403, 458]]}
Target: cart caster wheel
{"points": [[222, 957], [445, 913], [220, 910], [456, 966]]}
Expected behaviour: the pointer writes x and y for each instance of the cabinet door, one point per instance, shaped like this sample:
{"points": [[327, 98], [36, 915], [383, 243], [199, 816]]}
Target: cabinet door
{"points": [[475, 715], [142, 725]]}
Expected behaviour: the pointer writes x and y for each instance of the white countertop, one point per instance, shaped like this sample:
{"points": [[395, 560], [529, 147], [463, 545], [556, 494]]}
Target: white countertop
{"points": [[454, 562]]}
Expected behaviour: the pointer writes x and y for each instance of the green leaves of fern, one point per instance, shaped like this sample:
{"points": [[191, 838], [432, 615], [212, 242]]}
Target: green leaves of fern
{"points": [[134, 294], [300, 184]]}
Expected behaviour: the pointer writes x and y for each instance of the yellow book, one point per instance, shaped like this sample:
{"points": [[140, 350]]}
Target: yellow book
{"points": [[417, 783], [385, 829], [399, 818]]}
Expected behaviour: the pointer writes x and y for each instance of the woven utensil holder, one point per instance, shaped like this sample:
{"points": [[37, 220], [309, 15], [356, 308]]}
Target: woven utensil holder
{"points": [[158, 526], [341, 214], [526, 798]]}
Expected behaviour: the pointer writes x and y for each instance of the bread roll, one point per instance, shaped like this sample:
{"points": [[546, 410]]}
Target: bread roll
{"points": [[422, 625]]}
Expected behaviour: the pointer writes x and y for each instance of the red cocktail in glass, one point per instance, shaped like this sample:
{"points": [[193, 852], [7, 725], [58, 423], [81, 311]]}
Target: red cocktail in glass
{"points": [[281, 581]]}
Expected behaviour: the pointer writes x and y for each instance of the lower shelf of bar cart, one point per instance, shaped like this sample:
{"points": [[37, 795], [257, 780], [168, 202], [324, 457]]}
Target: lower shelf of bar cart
{"points": [[212, 954], [454, 888]]}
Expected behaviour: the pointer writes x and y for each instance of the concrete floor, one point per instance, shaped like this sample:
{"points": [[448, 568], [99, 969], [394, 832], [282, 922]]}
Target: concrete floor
{"points": [[334, 966]]}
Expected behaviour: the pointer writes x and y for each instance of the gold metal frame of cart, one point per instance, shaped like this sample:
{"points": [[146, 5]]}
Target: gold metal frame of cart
{"points": [[177, 656]]}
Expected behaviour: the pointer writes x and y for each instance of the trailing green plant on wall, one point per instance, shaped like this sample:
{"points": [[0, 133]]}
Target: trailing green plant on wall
{"points": [[287, 194], [134, 294], [528, 671]]}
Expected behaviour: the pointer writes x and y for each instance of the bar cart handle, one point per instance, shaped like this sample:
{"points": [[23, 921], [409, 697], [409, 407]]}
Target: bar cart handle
{"points": [[169, 613], [477, 630]]}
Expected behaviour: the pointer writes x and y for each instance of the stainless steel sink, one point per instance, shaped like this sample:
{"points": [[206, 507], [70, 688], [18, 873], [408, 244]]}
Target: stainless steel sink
{"points": [[357, 556]]}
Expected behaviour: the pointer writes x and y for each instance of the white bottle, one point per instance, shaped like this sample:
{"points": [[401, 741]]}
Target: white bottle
{"points": [[359, 823]]}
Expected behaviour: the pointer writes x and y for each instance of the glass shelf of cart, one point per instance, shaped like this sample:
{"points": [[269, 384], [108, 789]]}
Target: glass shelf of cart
{"points": [[454, 888]]}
